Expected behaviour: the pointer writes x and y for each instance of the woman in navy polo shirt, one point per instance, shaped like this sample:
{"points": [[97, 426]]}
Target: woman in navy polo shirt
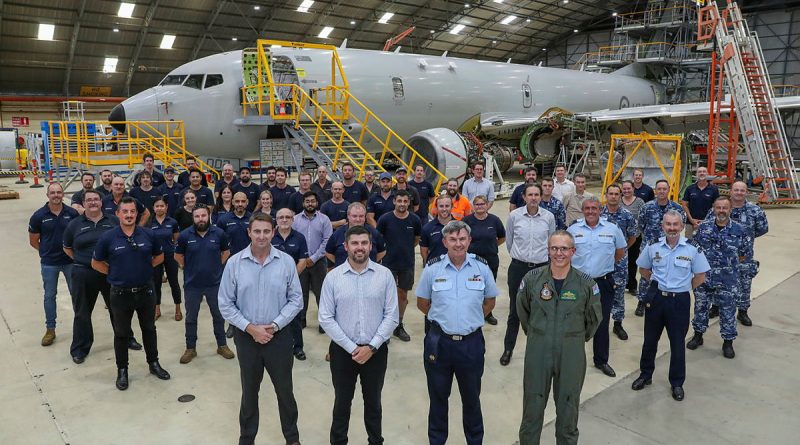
{"points": [[265, 204], [224, 203], [166, 230], [487, 234]]}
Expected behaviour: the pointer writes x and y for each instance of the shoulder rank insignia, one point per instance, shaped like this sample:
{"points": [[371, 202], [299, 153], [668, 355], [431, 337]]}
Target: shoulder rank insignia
{"points": [[546, 294], [481, 259], [434, 260]]}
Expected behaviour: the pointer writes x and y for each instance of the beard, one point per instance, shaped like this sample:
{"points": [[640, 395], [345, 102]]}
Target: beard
{"points": [[201, 226]]}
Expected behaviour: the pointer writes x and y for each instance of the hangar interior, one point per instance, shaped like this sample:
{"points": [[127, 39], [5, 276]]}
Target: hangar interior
{"points": [[55, 54]]}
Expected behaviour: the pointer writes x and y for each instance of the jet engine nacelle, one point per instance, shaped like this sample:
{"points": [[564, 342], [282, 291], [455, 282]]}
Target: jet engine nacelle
{"points": [[444, 148]]}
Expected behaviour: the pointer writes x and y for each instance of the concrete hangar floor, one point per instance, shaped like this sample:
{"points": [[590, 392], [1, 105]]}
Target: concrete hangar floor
{"points": [[47, 399]]}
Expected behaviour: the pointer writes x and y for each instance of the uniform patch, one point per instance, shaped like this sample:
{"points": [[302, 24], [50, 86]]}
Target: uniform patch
{"points": [[569, 295], [522, 285], [546, 294], [657, 257], [595, 289]]}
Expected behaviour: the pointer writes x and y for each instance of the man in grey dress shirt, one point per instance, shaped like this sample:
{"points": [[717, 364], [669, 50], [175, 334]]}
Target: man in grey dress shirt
{"points": [[358, 310], [316, 227], [477, 185], [260, 295]]}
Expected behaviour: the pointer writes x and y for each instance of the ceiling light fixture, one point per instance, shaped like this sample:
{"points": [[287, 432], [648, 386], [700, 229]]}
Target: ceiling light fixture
{"points": [[614, 14], [385, 17], [457, 29], [126, 10], [116, 29], [326, 31], [305, 5], [256, 7], [167, 41], [46, 31], [234, 38], [508, 20], [110, 65]]}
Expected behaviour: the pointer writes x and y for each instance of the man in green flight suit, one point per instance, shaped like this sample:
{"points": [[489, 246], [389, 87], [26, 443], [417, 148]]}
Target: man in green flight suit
{"points": [[559, 309]]}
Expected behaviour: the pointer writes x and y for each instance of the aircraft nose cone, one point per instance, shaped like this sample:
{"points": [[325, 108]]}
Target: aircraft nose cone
{"points": [[117, 117]]}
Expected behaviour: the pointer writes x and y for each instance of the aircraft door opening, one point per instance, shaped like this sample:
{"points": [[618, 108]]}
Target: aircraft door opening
{"points": [[284, 72], [527, 97]]}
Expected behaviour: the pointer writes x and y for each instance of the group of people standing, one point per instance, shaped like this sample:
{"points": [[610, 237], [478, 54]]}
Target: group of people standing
{"points": [[256, 252]]}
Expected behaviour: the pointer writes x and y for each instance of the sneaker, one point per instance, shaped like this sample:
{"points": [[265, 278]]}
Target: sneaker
{"points": [[49, 337], [226, 352], [188, 355], [401, 333]]}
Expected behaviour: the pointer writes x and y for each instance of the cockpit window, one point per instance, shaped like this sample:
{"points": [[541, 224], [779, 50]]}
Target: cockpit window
{"points": [[194, 81], [173, 79], [213, 80]]}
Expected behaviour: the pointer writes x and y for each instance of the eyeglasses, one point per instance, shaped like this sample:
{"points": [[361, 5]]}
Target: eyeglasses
{"points": [[559, 249], [132, 243]]}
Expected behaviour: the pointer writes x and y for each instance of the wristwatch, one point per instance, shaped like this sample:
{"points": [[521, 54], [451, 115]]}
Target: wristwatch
{"points": [[373, 349], [275, 327]]}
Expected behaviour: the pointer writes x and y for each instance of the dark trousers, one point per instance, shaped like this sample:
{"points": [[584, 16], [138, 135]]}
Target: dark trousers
{"points": [[600, 343], [344, 373], [194, 296], [311, 281], [464, 360], [86, 284], [516, 272], [124, 303], [633, 255], [171, 267], [671, 313], [276, 357]]}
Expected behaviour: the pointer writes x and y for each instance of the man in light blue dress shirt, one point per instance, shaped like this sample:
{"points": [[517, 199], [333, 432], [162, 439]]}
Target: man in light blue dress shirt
{"points": [[260, 294], [598, 245], [455, 292], [358, 310]]}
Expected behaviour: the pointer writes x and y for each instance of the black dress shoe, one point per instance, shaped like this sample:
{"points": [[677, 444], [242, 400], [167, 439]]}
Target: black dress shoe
{"points": [[78, 360], [744, 319], [300, 355], [229, 331], [122, 379], [677, 393], [620, 331], [697, 340], [158, 371], [491, 320], [640, 383], [133, 344], [713, 312], [639, 309], [727, 349], [606, 369], [303, 323], [400, 333], [505, 359]]}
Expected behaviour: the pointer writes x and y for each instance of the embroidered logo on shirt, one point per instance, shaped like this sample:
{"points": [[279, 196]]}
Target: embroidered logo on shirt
{"points": [[546, 294], [569, 295]]}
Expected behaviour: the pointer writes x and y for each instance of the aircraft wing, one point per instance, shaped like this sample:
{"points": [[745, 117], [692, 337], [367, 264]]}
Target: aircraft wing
{"points": [[673, 113]]}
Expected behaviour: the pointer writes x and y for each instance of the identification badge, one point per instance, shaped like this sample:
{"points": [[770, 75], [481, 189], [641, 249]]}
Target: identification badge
{"points": [[546, 294]]}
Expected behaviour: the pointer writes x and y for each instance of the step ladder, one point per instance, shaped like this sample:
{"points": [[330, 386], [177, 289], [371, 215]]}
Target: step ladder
{"points": [[748, 80], [329, 123]]}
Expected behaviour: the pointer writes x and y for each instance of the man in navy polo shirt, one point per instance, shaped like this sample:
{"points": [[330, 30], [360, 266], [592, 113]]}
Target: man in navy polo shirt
{"points": [[354, 191], [106, 176], [202, 251], [156, 178], [228, 178], [127, 255], [517, 198], [424, 190], [248, 187], [204, 194], [401, 177], [281, 191], [381, 202], [304, 185], [87, 182], [146, 193], [112, 200], [356, 216], [430, 242], [45, 234], [640, 189], [235, 223], [184, 177], [294, 244], [336, 207], [401, 230], [171, 191], [698, 199]]}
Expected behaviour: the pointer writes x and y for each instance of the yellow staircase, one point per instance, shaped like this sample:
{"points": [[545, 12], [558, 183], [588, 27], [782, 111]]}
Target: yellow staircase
{"points": [[330, 122], [76, 146]]}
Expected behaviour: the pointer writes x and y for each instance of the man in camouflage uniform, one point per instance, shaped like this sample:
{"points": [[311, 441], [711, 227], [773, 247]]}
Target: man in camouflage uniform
{"points": [[624, 219], [650, 227], [552, 204], [754, 221], [724, 243]]}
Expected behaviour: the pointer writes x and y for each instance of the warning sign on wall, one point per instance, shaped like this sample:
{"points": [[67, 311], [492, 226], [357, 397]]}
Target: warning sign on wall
{"points": [[20, 121], [88, 90]]}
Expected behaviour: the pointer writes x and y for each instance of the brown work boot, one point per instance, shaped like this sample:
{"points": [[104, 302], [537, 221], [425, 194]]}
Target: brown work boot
{"points": [[49, 337], [226, 352], [188, 355]]}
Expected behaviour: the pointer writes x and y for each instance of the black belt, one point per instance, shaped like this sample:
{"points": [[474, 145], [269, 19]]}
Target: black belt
{"points": [[672, 294], [130, 290], [608, 276], [527, 264], [460, 337]]}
